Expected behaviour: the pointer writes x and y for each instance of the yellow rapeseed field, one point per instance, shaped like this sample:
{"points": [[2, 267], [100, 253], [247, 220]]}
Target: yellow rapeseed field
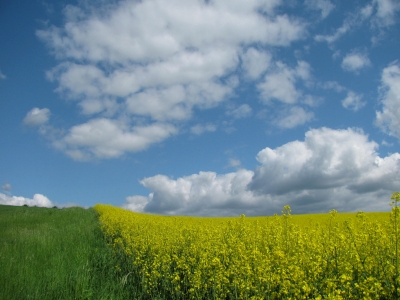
{"points": [[331, 256]]}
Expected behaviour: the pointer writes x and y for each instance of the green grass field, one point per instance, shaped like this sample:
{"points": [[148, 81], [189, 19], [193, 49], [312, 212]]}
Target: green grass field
{"points": [[50, 253]]}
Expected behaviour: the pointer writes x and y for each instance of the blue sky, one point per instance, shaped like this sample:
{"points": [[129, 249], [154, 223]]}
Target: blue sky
{"points": [[191, 107]]}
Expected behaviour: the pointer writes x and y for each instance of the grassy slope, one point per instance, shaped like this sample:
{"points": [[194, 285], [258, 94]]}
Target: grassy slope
{"points": [[49, 253]]}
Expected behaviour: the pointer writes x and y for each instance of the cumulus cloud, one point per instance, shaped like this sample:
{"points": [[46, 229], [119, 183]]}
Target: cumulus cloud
{"points": [[353, 101], [330, 169], [355, 61], [157, 61], [2, 76], [135, 203], [280, 83], [206, 193], [388, 119], [38, 200], [37, 116], [326, 159], [325, 6]]}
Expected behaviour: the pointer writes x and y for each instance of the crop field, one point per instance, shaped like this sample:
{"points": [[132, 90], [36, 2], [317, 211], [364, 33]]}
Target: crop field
{"points": [[331, 256], [107, 252]]}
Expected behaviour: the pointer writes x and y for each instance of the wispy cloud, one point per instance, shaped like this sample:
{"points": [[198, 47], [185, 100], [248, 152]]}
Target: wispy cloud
{"points": [[200, 128], [325, 6], [379, 13], [6, 187], [235, 163], [243, 111]]}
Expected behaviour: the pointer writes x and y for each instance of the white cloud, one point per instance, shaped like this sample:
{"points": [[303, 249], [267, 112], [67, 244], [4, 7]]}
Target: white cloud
{"points": [[325, 6], [205, 193], [154, 30], [292, 117], [161, 104], [38, 200], [355, 61], [2, 76], [200, 129], [157, 61], [326, 159], [255, 62], [280, 84], [353, 101], [330, 169], [388, 119], [176, 102], [243, 111], [135, 203], [36, 116], [105, 138]]}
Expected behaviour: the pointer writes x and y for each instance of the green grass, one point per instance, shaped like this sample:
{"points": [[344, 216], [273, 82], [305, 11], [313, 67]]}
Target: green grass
{"points": [[50, 253]]}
